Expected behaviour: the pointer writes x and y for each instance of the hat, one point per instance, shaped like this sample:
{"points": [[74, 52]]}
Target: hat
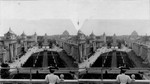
{"points": [[123, 71], [52, 67]]}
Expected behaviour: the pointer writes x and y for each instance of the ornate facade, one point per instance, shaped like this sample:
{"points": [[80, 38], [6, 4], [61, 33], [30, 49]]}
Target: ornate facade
{"points": [[10, 43], [140, 45], [45, 43], [80, 46], [12, 46]]}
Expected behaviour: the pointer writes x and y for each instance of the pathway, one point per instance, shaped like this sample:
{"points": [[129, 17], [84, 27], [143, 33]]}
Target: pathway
{"points": [[23, 59], [92, 59], [45, 60], [114, 60], [124, 49]]}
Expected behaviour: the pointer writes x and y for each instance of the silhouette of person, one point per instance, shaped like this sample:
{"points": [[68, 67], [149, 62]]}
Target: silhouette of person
{"points": [[51, 78], [122, 78]]}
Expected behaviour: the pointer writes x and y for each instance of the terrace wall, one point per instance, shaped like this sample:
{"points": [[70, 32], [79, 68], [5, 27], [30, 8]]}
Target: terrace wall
{"points": [[79, 52], [142, 50]]}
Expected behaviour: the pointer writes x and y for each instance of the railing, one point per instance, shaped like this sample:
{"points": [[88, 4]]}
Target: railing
{"points": [[84, 81]]}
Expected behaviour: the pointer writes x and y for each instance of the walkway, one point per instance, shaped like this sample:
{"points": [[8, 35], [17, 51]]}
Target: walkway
{"points": [[23, 59], [124, 49], [18, 63], [45, 60], [92, 59], [55, 48], [114, 60], [137, 60]]}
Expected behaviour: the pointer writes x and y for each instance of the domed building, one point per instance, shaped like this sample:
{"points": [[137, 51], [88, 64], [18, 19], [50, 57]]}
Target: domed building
{"points": [[134, 35], [24, 41], [65, 33], [23, 35], [45, 43], [10, 43], [10, 35], [35, 37], [114, 38], [92, 36], [81, 36]]}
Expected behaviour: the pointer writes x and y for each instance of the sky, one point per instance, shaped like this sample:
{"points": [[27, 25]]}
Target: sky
{"points": [[55, 16]]}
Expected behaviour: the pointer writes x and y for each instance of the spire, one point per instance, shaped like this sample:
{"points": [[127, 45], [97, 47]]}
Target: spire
{"points": [[114, 34], [78, 22], [104, 34], [35, 33], [80, 32], [9, 28], [45, 34], [23, 34], [92, 34], [10, 31]]}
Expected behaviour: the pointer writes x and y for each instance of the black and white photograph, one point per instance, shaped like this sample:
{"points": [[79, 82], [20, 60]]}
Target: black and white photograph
{"points": [[75, 41]]}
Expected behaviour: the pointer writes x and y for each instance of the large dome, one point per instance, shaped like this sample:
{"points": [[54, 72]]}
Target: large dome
{"points": [[134, 34], [81, 35], [10, 34], [92, 36], [65, 33], [23, 34], [80, 32]]}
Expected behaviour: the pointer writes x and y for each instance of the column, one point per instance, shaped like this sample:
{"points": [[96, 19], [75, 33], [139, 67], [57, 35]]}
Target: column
{"points": [[11, 52], [14, 51], [16, 54], [25, 45], [85, 54], [94, 47], [80, 52]]}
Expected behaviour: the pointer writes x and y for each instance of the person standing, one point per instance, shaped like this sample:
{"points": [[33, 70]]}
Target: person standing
{"points": [[51, 78], [122, 78]]}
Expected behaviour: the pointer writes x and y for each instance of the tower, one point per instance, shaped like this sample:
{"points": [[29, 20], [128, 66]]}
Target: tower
{"points": [[45, 43], [93, 41], [114, 44], [24, 41], [81, 39], [10, 42], [104, 37], [35, 37]]}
